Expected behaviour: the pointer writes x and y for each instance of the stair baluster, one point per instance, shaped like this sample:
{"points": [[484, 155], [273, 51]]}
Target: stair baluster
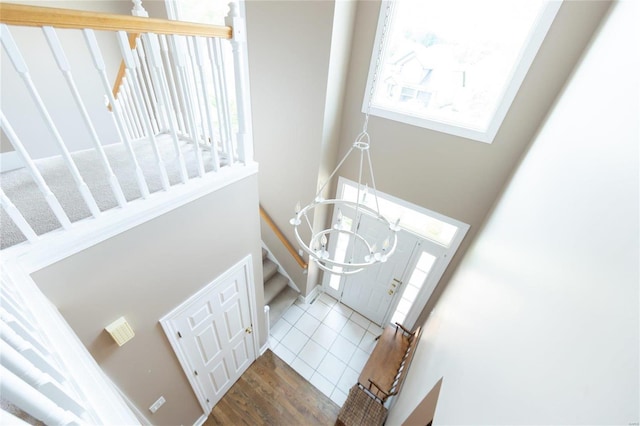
{"points": [[63, 64], [20, 393], [220, 89], [173, 98], [117, 112], [179, 53], [17, 218], [49, 197], [132, 65], [21, 67], [201, 60], [159, 76]]}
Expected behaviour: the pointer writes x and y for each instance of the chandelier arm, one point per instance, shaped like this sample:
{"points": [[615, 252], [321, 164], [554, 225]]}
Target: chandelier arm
{"points": [[334, 172], [373, 182], [357, 218], [306, 218], [333, 271], [321, 256]]}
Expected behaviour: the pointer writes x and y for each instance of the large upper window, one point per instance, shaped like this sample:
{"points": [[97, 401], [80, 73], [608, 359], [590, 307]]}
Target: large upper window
{"points": [[455, 65]]}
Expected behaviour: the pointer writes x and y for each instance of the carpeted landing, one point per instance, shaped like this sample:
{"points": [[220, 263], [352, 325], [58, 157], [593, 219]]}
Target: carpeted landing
{"points": [[22, 190]]}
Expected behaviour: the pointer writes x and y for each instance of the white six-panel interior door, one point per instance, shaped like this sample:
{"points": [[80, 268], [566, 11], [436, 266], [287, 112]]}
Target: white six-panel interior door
{"points": [[212, 334]]}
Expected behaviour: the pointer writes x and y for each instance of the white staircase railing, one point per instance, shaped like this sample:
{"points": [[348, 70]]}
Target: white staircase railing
{"points": [[183, 83], [180, 85], [34, 375]]}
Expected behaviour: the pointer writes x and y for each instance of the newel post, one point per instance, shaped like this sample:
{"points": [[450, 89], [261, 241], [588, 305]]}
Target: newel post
{"points": [[138, 10], [236, 20]]}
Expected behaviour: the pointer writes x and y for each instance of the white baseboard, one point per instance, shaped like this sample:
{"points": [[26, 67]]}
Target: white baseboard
{"points": [[313, 294], [10, 161], [203, 418], [143, 419]]}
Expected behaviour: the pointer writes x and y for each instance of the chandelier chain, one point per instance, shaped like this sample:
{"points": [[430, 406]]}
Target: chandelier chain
{"points": [[371, 249], [378, 65]]}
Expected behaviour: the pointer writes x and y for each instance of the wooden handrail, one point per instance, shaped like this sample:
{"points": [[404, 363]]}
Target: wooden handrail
{"points": [[133, 41], [283, 239], [34, 16]]}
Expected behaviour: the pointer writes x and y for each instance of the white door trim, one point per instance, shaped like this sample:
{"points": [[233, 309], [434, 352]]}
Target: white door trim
{"points": [[245, 264]]}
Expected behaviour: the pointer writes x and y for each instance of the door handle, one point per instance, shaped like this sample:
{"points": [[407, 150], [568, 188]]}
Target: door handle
{"points": [[248, 330], [390, 292]]}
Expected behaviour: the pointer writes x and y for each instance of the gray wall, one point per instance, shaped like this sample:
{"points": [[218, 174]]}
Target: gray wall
{"points": [[460, 178], [143, 274], [540, 323]]}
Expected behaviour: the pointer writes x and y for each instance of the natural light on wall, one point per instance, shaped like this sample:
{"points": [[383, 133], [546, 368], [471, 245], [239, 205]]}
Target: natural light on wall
{"points": [[456, 65]]}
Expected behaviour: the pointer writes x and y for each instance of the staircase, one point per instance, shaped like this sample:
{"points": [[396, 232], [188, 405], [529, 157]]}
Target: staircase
{"points": [[278, 295]]}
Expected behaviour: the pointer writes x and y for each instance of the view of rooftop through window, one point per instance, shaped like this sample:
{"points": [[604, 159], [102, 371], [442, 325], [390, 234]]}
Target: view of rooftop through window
{"points": [[206, 12], [453, 61]]}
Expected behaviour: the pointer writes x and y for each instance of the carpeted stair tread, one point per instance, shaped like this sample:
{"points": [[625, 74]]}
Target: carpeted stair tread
{"points": [[274, 286], [269, 269], [280, 304]]}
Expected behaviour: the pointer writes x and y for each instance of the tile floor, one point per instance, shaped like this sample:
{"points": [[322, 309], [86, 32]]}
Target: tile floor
{"points": [[326, 342]]}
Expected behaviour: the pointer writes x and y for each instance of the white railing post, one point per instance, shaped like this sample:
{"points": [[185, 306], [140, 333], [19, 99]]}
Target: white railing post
{"points": [[138, 10], [239, 46]]}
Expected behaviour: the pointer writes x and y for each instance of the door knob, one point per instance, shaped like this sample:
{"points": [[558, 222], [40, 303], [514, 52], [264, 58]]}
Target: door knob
{"points": [[248, 330], [390, 292]]}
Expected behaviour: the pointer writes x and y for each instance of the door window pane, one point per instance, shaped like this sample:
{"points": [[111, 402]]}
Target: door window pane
{"points": [[412, 288]]}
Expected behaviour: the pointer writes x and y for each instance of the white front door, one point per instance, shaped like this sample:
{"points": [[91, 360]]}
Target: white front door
{"points": [[211, 333], [372, 292]]}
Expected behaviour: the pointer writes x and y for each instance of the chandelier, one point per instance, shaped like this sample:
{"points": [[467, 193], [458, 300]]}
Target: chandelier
{"points": [[359, 249]]}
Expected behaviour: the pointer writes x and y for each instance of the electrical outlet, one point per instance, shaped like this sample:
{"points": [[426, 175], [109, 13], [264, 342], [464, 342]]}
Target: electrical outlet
{"points": [[157, 404]]}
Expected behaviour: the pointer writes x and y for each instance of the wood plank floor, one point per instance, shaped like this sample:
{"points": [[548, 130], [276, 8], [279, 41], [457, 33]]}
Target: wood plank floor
{"points": [[272, 393]]}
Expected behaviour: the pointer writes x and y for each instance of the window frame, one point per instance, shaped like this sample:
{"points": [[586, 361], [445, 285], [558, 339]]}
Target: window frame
{"points": [[527, 55]]}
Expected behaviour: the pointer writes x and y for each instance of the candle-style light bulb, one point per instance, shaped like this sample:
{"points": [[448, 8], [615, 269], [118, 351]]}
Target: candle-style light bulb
{"points": [[323, 241], [295, 221], [385, 245], [338, 224]]}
